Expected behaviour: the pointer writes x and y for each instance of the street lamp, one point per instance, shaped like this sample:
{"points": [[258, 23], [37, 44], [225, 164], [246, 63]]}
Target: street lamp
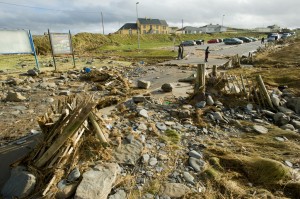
{"points": [[137, 16], [222, 19]]}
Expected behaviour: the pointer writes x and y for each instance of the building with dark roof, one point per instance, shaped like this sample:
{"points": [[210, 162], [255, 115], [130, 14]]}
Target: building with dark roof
{"points": [[145, 26], [128, 29], [152, 26]]}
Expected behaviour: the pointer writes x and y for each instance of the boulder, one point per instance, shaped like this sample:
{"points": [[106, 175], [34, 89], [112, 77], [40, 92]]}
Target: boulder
{"points": [[167, 87], [20, 184], [296, 124], [32, 72], [288, 127], [98, 182], [15, 97], [294, 104], [143, 84], [281, 119], [174, 190], [196, 164], [260, 129], [120, 194], [209, 100], [128, 153]]}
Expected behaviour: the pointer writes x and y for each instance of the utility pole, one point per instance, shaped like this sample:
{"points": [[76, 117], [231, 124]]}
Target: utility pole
{"points": [[137, 18], [222, 19], [182, 26], [102, 22]]}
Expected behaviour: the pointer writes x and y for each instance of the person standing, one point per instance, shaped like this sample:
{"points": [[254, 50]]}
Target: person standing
{"points": [[262, 40], [179, 52], [206, 53], [182, 51]]}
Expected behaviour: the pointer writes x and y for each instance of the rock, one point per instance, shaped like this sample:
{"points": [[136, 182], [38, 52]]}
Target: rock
{"points": [[130, 138], [294, 104], [275, 99], [235, 89], [152, 161], [74, 175], [143, 113], [15, 81], [288, 163], [286, 111], [15, 97], [260, 129], [209, 100], [249, 107], [188, 177], [142, 126], [161, 126], [280, 139], [32, 72], [167, 87], [281, 118], [49, 100], [98, 182], [184, 114], [174, 190], [296, 124], [143, 84], [195, 154], [67, 191], [65, 92], [48, 85], [128, 153], [268, 113], [218, 116], [196, 164], [201, 104], [20, 184], [120, 194], [288, 127], [146, 158]]}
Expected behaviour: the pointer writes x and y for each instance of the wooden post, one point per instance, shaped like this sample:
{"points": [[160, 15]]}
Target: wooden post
{"points": [[243, 85], [200, 79], [54, 63], [237, 83], [264, 90], [214, 70]]}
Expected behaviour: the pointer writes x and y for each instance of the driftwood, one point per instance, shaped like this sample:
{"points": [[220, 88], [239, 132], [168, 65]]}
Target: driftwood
{"points": [[97, 128], [264, 90], [200, 79]]}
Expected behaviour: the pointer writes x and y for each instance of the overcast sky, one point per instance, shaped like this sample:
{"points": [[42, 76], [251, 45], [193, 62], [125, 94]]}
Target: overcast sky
{"points": [[85, 15]]}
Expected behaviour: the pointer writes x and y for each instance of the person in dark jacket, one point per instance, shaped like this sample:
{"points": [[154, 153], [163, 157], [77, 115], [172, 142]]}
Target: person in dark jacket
{"points": [[179, 52], [206, 53], [182, 51]]}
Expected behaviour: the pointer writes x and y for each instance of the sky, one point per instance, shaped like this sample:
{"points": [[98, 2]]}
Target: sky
{"points": [[85, 15]]}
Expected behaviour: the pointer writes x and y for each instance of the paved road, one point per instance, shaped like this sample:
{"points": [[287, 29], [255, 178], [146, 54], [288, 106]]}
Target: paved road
{"points": [[195, 54]]}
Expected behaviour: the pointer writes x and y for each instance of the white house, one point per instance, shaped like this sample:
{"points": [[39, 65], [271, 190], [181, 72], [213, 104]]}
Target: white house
{"points": [[189, 30], [213, 28]]}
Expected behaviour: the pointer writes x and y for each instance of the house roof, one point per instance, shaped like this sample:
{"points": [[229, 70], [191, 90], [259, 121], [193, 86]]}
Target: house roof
{"points": [[189, 28], [128, 26], [152, 21]]}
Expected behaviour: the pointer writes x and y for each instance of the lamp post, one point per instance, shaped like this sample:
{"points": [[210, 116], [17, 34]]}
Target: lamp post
{"points": [[222, 19], [137, 17]]}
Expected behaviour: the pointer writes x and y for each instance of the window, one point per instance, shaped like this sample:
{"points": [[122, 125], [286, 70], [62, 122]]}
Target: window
{"points": [[164, 27], [150, 27], [144, 26], [156, 26]]}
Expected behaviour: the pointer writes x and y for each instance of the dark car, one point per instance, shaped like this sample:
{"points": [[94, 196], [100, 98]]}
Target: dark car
{"points": [[244, 39], [199, 42], [232, 41], [188, 43], [213, 41]]}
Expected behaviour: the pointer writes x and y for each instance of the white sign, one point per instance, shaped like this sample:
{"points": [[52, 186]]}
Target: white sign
{"points": [[61, 43], [15, 42]]}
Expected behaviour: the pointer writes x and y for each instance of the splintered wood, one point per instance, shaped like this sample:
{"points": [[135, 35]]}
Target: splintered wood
{"points": [[64, 129]]}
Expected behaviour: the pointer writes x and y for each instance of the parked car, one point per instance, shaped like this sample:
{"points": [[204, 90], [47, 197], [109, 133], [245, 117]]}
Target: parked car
{"points": [[244, 39], [199, 42], [188, 43], [272, 38], [253, 38], [232, 41], [286, 35], [213, 41]]}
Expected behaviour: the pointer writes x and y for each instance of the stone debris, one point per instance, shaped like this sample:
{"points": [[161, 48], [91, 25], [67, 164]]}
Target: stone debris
{"points": [[143, 84], [15, 97]]}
